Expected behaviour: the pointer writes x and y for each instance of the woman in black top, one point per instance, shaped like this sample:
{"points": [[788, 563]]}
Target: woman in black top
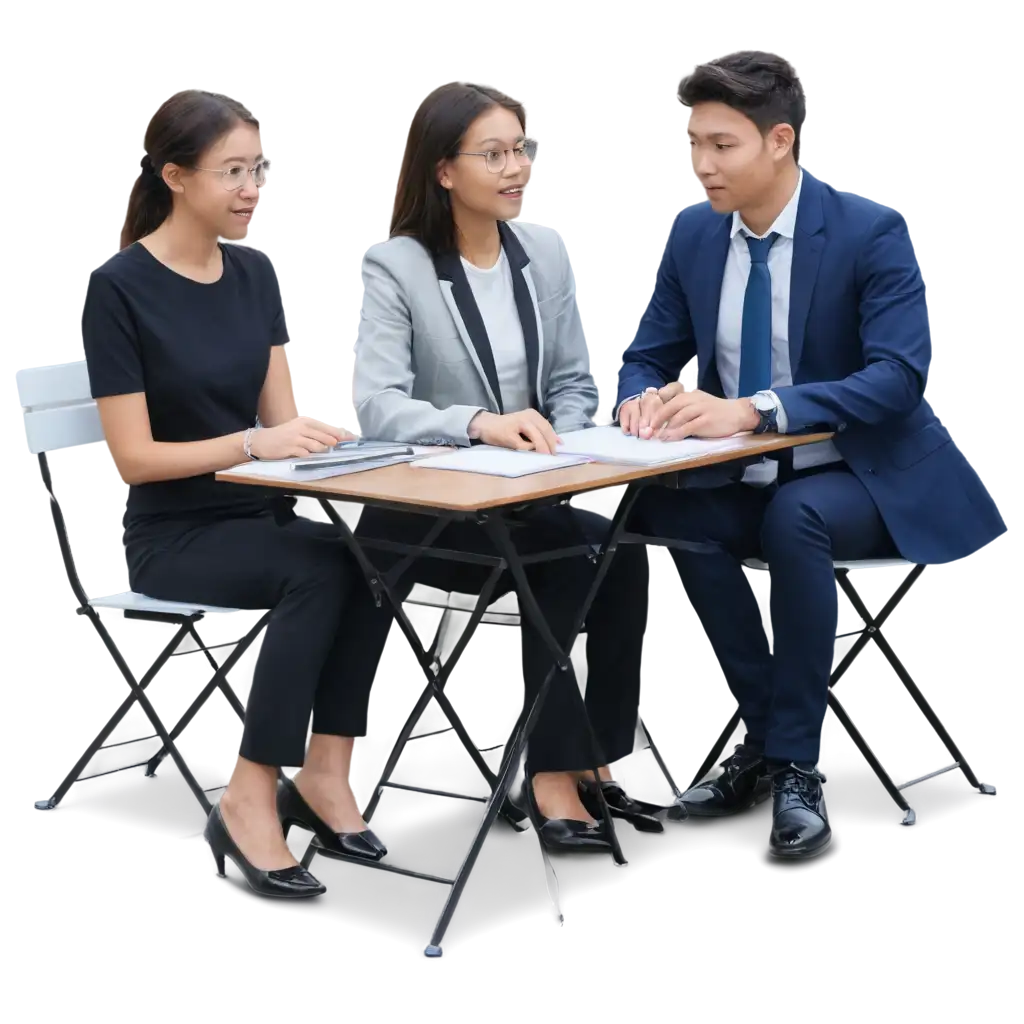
{"points": [[184, 338]]}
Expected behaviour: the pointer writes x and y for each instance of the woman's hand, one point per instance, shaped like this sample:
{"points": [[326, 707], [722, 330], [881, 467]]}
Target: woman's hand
{"points": [[297, 438], [524, 431]]}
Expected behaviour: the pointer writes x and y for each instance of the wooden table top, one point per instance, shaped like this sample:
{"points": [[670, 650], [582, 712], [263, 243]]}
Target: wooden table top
{"points": [[407, 484]]}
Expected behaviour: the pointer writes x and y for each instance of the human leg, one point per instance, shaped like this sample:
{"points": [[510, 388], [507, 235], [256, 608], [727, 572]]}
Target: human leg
{"points": [[255, 563]]}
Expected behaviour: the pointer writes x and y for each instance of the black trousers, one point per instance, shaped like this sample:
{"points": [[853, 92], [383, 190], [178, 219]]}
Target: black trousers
{"points": [[324, 637], [615, 625]]}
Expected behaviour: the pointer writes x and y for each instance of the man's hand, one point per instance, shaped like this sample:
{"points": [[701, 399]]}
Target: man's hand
{"points": [[524, 431], [698, 414], [670, 391], [635, 415]]}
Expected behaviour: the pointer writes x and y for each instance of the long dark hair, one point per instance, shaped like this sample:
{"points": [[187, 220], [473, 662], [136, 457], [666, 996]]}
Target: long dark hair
{"points": [[422, 206], [180, 131], [760, 85]]}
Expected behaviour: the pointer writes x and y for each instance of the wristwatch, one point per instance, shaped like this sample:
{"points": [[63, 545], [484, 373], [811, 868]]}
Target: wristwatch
{"points": [[766, 405]]}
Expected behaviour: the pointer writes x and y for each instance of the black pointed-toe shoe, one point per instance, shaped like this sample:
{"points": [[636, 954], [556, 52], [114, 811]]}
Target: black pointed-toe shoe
{"points": [[292, 809], [800, 826], [744, 782], [294, 882], [561, 833], [568, 838], [641, 815]]}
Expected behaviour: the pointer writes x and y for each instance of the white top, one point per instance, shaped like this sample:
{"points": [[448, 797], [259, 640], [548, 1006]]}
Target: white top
{"points": [[496, 301], [730, 328]]}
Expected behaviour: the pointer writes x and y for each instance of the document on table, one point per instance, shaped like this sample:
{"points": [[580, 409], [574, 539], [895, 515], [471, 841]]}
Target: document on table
{"points": [[610, 444], [299, 471], [494, 461]]}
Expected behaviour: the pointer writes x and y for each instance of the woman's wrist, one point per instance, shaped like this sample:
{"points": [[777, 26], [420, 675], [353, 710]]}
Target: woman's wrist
{"points": [[247, 439], [475, 428]]}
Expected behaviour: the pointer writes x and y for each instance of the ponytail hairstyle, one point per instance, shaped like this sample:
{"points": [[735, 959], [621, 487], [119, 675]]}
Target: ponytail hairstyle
{"points": [[179, 133]]}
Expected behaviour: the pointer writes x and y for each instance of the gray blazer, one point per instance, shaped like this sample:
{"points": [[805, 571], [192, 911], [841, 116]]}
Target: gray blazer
{"points": [[424, 366]]}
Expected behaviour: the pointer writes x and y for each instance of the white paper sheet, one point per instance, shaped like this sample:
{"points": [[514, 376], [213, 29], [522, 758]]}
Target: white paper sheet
{"points": [[610, 444], [282, 469], [493, 461]]}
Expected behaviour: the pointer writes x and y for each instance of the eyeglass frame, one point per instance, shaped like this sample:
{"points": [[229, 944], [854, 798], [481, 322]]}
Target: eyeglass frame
{"points": [[504, 153], [250, 172]]}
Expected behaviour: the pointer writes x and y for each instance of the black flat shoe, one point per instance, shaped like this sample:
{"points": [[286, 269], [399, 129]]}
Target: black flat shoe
{"points": [[294, 882], [292, 809], [630, 811], [800, 827]]}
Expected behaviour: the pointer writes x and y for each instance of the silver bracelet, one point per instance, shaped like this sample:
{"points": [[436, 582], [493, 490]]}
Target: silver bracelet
{"points": [[247, 444]]}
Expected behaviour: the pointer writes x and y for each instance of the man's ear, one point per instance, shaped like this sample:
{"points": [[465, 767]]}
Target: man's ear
{"points": [[782, 137]]}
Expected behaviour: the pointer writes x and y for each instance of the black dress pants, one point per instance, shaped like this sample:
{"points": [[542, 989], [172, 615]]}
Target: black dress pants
{"points": [[325, 634], [615, 625]]}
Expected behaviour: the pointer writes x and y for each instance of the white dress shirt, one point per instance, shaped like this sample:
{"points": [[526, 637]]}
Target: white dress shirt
{"points": [[728, 339], [492, 289], [730, 328]]}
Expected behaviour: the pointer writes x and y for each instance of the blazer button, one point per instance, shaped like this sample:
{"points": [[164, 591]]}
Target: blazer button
{"points": [[870, 472]]}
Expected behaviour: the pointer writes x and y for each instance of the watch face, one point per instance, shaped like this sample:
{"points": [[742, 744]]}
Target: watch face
{"points": [[763, 403]]}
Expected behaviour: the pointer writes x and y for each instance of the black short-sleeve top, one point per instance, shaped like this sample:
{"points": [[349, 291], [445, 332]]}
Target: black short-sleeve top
{"points": [[199, 352]]}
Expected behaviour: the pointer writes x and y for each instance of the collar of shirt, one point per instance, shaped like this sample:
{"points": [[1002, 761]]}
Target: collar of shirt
{"points": [[785, 223]]}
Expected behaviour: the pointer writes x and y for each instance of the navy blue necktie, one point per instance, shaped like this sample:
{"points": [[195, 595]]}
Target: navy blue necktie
{"points": [[756, 337]]}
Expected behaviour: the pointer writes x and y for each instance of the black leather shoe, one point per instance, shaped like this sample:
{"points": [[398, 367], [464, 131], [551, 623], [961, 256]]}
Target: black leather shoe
{"points": [[291, 882], [292, 809], [561, 833], [800, 826], [568, 838], [639, 814], [743, 783]]}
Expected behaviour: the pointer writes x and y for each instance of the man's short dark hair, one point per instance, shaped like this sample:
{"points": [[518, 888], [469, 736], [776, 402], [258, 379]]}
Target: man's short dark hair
{"points": [[760, 85]]}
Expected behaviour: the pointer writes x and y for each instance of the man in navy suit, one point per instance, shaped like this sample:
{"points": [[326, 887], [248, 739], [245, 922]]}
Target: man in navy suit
{"points": [[806, 311]]}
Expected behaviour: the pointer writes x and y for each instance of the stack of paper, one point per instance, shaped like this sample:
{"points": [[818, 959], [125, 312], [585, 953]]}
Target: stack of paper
{"points": [[285, 470], [340, 461], [494, 461], [610, 444]]}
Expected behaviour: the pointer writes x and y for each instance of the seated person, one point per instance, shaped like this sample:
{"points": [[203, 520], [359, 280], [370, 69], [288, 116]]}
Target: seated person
{"points": [[806, 311], [184, 341], [470, 332]]}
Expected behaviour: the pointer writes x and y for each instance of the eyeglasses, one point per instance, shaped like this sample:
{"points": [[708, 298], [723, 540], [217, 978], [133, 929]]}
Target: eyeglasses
{"points": [[233, 178], [495, 160]]}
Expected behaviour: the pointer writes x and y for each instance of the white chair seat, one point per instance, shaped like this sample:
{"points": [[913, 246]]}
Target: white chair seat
{"points": [[866, 563], [130, 601], [503, 610]]}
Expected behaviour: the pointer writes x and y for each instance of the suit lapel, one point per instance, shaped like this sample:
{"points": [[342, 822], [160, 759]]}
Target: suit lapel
{"points": [[470, 324], [462, 305], [526, 306], [808, 243], [704, 299]]}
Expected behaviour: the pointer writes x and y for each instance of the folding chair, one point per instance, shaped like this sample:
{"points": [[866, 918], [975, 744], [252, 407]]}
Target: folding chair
{"points": [[60, 413], [875, 591], [459, 615], [461, 612]]}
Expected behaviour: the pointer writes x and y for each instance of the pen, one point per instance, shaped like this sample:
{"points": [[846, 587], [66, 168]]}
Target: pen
{"points": [[360, 443]]}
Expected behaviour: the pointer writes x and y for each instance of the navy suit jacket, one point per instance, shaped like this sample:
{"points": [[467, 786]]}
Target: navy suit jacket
{"points": [[859, 348]]}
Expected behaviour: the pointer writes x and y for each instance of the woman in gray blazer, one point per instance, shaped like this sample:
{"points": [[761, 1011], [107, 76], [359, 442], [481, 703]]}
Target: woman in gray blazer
{"points": [[470, 333]]}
